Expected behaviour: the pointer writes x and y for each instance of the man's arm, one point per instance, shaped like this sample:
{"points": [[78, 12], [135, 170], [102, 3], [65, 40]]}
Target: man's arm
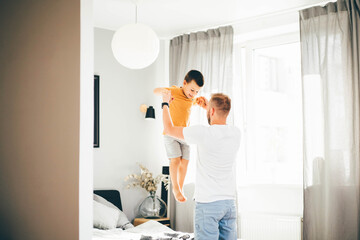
{"points": [[169, 127]]}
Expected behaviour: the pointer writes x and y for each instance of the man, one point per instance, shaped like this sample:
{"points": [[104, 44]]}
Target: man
{"points": [[215, 186]]}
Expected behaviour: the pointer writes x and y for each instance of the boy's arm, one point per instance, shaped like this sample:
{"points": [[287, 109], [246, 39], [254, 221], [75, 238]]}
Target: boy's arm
{"points": [[160, 90], [169, 128], [202, 102]]}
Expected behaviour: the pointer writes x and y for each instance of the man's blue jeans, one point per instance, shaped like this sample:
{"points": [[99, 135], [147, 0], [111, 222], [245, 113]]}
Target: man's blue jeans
{"points": [[215, 220]]}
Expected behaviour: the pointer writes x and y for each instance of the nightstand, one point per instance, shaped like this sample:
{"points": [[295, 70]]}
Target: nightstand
{"points": [[165, 221]]}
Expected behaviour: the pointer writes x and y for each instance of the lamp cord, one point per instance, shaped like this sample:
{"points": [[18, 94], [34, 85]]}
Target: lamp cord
{"points": [[136, 9], [136, 2]]}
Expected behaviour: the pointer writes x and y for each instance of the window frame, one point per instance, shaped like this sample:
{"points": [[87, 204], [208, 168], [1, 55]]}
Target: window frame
{"points": [[248, 84]]}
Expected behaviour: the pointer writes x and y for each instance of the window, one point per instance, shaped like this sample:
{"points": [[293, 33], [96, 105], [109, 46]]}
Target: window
{"points": [[272, 109]]}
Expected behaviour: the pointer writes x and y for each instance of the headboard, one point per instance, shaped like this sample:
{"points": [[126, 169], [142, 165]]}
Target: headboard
{"points": [[112, 196]]}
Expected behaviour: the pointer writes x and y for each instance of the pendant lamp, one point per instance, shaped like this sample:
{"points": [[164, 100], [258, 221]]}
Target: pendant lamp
{"points": [[136, 45]]}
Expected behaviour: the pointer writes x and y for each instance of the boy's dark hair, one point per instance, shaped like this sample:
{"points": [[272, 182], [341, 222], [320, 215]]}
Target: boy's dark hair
{"points": [[196, 76]]}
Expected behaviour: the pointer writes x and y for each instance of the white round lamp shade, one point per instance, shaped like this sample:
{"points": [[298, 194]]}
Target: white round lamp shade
{"points": [[135, 46]]}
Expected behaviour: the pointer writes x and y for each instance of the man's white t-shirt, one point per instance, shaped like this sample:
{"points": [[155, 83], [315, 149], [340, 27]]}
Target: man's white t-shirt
{"points": [[215, 167]]}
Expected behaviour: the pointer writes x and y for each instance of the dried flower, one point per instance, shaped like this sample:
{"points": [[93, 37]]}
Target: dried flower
{"points": [[146, 180]]}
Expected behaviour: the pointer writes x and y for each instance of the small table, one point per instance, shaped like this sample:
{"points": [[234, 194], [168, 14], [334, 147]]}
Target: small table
{"points": [[164, 221]]}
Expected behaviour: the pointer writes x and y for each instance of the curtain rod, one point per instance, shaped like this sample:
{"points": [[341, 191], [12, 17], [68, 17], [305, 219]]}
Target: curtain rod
{"points": [[249, 19]]}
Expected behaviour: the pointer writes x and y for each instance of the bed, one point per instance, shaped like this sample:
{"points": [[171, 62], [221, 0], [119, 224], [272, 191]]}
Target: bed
{"points": [[111, 223]]}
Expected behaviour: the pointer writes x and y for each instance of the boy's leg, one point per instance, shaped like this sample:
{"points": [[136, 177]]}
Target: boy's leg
{"points": [[185, 153], [174, 169], [182, 172], [175, 150]]}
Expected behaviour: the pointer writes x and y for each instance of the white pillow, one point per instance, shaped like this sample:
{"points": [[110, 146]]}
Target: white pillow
{"points": [[104, 217], [123, 221]]}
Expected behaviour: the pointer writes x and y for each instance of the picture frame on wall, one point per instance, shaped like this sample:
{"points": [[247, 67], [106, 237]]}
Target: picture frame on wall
{"points": [[96, 111]]}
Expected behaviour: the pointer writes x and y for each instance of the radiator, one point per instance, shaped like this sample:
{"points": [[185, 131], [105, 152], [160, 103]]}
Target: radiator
{"points": [[270, 227]]}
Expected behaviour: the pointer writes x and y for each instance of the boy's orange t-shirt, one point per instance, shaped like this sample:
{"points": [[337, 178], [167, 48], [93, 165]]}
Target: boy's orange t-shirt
{"points": [[180, 107]]}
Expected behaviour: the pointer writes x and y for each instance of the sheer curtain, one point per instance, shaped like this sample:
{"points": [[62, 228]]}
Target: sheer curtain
{"points": [[211, 53], [330, 68]]}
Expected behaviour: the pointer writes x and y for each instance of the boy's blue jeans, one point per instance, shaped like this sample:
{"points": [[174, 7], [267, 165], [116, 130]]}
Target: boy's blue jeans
{"points": [[215, 220]]}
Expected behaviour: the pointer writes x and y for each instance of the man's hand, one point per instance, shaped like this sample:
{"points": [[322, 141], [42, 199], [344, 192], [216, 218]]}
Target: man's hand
{"points": [[166, 95]]}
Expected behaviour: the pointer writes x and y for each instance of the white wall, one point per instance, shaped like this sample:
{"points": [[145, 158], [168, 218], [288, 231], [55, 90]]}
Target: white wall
{"points": [[271, 199], [125, 136]]}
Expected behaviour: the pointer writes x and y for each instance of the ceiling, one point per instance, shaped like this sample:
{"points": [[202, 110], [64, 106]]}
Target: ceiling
{"points": [[170, 18]]}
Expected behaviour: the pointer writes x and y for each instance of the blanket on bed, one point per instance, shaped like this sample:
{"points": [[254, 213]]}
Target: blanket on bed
{"points": [[150, 230]]}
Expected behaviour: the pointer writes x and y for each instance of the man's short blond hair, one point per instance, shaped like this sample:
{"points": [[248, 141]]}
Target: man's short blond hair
{"points": [[221, 102]]}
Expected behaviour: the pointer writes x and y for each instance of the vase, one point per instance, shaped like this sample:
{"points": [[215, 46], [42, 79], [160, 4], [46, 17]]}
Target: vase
{"points": [[152, 207]]}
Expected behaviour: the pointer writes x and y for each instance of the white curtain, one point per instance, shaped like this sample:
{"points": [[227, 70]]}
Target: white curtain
{"points": [[330, 68], [211, 53]]}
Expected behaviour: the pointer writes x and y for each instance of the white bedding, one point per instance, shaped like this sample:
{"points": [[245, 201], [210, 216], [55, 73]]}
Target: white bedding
{"points": [[149, 230]]}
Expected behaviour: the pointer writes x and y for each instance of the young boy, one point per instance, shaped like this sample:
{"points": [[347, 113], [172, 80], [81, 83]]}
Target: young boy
{"points": [[183, 98]]}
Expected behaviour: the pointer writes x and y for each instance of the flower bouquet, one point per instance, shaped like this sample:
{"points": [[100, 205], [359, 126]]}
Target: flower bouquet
{"points": [[152, 206]]}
